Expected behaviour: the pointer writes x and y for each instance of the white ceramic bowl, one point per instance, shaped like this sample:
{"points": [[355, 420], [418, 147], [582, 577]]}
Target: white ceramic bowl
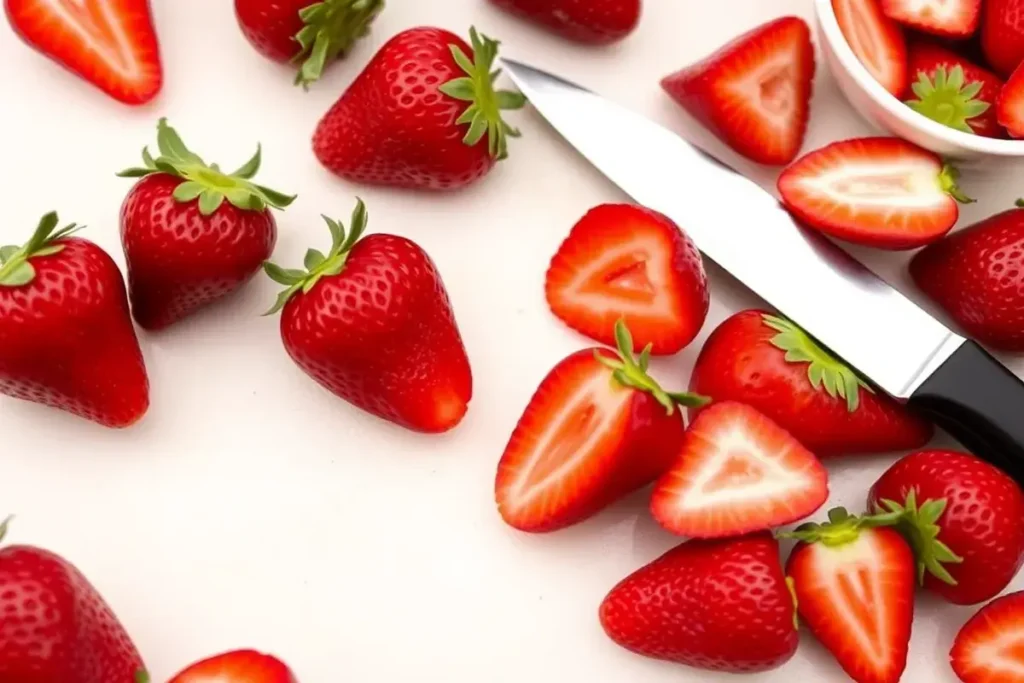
{"points": [[874, 103]]}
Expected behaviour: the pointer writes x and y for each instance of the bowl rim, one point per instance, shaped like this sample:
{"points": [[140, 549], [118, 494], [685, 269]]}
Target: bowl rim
{"points": [[844, 53]]}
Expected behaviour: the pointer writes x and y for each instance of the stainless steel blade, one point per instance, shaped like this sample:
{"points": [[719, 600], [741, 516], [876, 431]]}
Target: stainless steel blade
{"points": [[743, 228]]}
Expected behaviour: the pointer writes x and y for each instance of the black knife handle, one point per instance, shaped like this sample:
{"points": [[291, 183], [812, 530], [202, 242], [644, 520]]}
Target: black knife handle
{"points": [[981, 404]]}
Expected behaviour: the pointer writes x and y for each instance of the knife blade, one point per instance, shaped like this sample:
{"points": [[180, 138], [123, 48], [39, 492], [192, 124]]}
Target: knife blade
{"points": [[874, 328]]}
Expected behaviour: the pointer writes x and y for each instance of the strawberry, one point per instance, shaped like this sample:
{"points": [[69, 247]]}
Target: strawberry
{"points": [[718, 604], [597, 428], [110, 44], [948, 18], [953, 91], [371, 322], [625, 261], [593, 21], [754, 92], [962, 517], [66, 336], [977, 276], [737, 472], [853, 579], [422, 114], [239, 666], [879, 192], [313, 33], [876, 40], [191, 233], [56, 626], [988, 649], [1010, 105], [1002, 34]]}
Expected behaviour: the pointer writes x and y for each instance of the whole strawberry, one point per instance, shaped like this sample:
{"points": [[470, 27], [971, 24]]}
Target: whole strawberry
{"points": [[56, 628], [371, 322], [962, 517], [66, 336], [307, 32], [1002, 34], [423, 114], [586, 21], [192, 234], [977, 276], [721, 605]]}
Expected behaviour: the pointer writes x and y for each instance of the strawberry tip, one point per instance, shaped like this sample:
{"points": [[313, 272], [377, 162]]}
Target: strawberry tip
{"points": [[330, 29]]}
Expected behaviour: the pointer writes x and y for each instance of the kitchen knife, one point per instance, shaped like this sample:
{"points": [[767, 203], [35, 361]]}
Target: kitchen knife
{"points": [[891, 341]]}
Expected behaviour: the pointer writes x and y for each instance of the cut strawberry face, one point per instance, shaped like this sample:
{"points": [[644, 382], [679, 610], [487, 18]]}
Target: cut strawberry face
{"points": [[877, 40], [990, 646], [950, 18], [737, 472], [241, 666]]}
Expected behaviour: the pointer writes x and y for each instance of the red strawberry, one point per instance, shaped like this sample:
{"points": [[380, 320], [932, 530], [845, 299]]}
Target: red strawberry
{"points": [[590, 21], [977, 276], [597, 428], [108, 43], [754, 92], [66, 336], [191, 233], [962, 517], [879, 192], [772, 365], [311, 32], [422, 114], [953, 91], [721, 605], [854, 584], [624, 261], [56, 626], [1010, 105], [988, 649], [949, 18], [371, 322], [877, 40], [1002, 34], [737, 472], [240, 666]]}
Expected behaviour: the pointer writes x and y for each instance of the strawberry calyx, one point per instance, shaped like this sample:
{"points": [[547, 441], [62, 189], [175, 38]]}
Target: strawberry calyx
{"points": [[142, 677], [631, 371], [948, 99], [16, 269], [317, 264], [331, 28], [824, 371], [204, 182], [841, 528], [483, 116], [919, 524], [948, 182]]}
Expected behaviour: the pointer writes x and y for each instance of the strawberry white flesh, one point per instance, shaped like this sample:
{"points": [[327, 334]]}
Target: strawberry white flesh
{"points": [[990, 646], [737, 472], [952, 18], [1010, 105], [877, 41]]}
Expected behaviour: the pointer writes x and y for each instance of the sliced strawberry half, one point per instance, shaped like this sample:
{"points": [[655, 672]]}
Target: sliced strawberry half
{"points": [[737, 472], [1010, 105], [876, 40], [754, 93], [626, 262], [990, 646], [880, 192], [950, 18], [109, 43], [240, 666]]}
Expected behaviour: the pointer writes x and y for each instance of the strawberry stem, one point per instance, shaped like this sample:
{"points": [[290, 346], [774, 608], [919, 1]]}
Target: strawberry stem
{"points": [[919, 525], [204, 183], [331, 28], [948, 99], [840, 529], [142, 677], [15, 268]]}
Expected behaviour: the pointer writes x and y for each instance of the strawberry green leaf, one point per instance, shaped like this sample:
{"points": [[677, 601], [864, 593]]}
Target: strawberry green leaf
{"points": [[142, 677], [15, 268], [948, 182], [840, 529], [331, 28], [948, 99], [919, 525]]}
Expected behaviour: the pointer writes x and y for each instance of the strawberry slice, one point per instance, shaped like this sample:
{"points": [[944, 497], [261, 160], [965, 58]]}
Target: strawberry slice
{"points": [[877, 40], [853, 579], [109, 43], [624, 261], [1010, 105], [737, 472], [990, 646], [949, 18], [879, 192], [240, 666], [754, 93]]}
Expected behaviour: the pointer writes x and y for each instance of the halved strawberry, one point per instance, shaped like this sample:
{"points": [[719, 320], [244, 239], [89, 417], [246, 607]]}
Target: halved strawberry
{"points": [[597, 428], [625, 261], [1010, 105], [877, 40], [950, 18], [109, 43], [879, 192], [754, 92], [990, 646], [240, 666], [737, 472]]}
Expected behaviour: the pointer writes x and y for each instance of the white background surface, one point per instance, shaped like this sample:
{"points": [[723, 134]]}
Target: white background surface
{"points": [[251, 508]]}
